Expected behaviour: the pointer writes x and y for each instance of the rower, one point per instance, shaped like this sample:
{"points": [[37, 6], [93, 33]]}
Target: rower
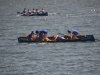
{"points": [[59, 38], [33, 11], [37, 11], [24, 11], [37, 33], [43, 35], [42, 11], [31, 36], [73, 34], [28, 12]]}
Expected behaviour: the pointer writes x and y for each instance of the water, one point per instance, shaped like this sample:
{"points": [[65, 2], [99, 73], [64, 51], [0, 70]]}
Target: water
{"points": [[81, 58]]}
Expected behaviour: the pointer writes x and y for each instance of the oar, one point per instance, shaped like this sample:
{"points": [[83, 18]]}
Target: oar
{"points": [[18, 12], [53, 13]]}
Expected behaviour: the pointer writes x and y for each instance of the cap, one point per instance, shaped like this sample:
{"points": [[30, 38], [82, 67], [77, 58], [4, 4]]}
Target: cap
{"points": [[32, 31], [69, 31], [45, 31], [75, 32], [41, 31]]}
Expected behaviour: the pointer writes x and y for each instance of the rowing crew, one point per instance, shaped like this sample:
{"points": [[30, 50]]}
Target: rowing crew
{"points": [[34, 11], [42, 36]]}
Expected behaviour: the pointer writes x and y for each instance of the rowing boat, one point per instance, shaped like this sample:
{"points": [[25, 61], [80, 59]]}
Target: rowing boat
{"points": [[81, 38], [39, 14]]}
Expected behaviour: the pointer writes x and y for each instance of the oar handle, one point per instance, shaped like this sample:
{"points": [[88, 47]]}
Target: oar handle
{"points": [[18, 12]]}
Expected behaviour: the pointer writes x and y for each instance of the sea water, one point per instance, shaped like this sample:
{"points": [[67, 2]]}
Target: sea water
{"points": [[74, 58]]}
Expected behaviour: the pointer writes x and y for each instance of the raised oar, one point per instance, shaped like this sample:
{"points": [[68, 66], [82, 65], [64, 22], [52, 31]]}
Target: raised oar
{"points": [[18, 13]]}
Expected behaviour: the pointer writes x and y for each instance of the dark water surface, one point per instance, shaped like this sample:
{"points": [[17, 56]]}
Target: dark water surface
{"points": [[81, 58]]}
